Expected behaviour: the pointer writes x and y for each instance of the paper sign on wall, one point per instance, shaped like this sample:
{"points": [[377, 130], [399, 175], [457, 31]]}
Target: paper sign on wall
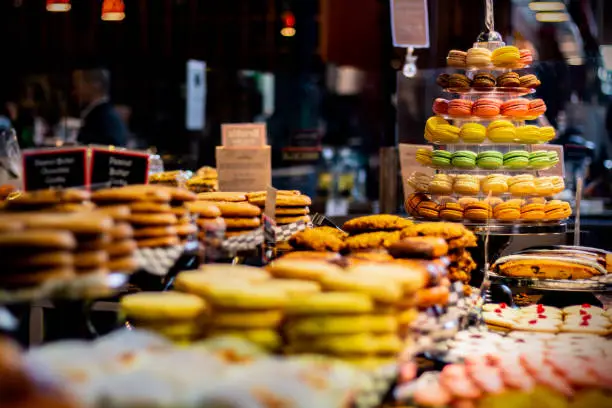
{"points": [[243, 135], [244, 169], [55, 168], [409, 165], [559, 169], [409, 23]]}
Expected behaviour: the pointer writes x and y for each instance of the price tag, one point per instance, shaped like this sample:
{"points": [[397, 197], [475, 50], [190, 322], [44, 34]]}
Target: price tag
{"points": [[248, 169], [55, 168], [243, 135], [559, 169], [409, 23], [115, 168], [409, 165]]}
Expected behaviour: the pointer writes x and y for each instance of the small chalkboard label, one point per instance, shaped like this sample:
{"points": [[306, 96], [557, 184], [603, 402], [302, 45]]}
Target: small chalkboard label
{"points": [[116, 168], [54, 168]]}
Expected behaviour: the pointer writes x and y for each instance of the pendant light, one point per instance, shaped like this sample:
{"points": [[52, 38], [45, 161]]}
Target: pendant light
{"points": [[113, 10], [58, 5]]}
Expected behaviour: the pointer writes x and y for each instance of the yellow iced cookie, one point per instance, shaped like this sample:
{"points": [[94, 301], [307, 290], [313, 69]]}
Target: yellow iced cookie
{"points": [[261, 320], [321, 325], [162, 306], [264, 338], [330, 303]]}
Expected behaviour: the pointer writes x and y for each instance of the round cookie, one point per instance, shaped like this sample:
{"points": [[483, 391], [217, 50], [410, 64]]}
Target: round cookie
{"points": [[116, 212], [235, 233], [157, 242], [93, 242], [240, 296], [38, 239], [38, 277], [380, 290], [153, 219], [184, 230], [291, 220], [90, 259], [123, 264], [27, 199], [317, 239], [40, 260], [294, 287], [242, 223], [207, 272], [284, 200], [86, 223], [211, 223], [121, 230], [151, 232], [149, 207], [248, 320], [372, 240], [234, 209], [307, 270], [121, 248], [330, 303], [131, 193], [204, 209], [162, 306], [292, 211], [222, 196], [384, 222]]}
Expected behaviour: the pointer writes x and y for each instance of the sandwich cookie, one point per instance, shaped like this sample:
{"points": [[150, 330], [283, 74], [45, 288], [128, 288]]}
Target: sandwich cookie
{"points": [[516, 159], [473, 133]]}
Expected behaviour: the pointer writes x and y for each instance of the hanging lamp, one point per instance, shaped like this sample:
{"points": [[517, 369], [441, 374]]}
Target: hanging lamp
{"points": [[58, 5], [113, 10]]}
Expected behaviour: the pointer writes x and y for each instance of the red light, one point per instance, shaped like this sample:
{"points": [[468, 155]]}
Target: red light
{"points": [[113, 10], [288, 19]]}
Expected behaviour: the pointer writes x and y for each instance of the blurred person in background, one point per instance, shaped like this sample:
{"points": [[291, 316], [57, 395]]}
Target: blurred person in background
{"points": [[101, 123]]}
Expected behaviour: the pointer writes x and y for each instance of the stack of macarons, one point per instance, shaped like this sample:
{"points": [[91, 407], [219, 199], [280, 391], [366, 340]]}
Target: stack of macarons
{"points": [[496, 184], [517, 108], [488, 159], [534, 209], [502, 57], [438, 130], [486, 80]]}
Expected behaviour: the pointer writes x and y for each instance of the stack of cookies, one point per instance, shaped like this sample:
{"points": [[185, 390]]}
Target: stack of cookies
{"points": [[122, 246], [174, 178], [91, 231], [240, 217], [34, 257], [205, 180], [69, 200], [242, 304], [291, 205], [344, 325], [186, 228], [151, 216], [180, 317], [207, 217], [374, 231]]}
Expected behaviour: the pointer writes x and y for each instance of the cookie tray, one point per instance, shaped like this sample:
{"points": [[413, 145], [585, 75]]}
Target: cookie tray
{"points": [[597, 284]]}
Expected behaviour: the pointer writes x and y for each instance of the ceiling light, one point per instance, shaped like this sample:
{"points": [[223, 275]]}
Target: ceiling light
{"points": [[287, 31], [113, 10], [552, 17], [58, 5], [547, 6]]}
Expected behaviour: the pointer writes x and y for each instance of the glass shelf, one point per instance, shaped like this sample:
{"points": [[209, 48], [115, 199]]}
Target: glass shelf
{"points": [[471, 118], [496, 91], [501, 170]]}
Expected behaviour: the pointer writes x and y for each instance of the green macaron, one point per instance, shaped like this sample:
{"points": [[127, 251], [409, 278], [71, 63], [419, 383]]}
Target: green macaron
{"points": [[541, 159], [490, 159], [464, 159], [441, 158], [516, 159]]}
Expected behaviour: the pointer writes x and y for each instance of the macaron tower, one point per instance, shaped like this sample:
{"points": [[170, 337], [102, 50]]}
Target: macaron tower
{"points": [[489, 158]]}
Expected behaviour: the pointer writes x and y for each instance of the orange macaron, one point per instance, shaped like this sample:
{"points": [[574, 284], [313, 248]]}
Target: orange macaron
{"points": [[428, 209], [451, 211], [557, 210], [518, 107], [533, 211], [486, 107], [537, 107], [508, 211], [460, 107], [477, 211], [413, 201]]}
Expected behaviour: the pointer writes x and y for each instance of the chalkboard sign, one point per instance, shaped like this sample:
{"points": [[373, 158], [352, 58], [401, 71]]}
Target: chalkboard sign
{"points": [[115, 168], [55, 168]]}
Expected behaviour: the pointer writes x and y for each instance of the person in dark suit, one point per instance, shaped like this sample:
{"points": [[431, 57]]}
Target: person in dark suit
{"points": [[101, 123]]}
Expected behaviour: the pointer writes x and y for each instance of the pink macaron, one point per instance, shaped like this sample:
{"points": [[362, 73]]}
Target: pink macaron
{"points": [[515, 107], [440, 106], [537, 107], [486, 107], [460, 107], [526, 56]]}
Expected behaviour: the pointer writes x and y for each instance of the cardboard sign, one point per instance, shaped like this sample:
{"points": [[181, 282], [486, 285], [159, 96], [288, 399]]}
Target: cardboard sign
{"points": [[243, 135], [409, 165], [116, 168], [55, 168], [559, 169], [270, 208], [245, 169], [409, 23]]}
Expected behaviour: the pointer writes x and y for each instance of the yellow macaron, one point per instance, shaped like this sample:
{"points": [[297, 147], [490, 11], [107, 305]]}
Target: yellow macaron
{"points": [[506, 57]]}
